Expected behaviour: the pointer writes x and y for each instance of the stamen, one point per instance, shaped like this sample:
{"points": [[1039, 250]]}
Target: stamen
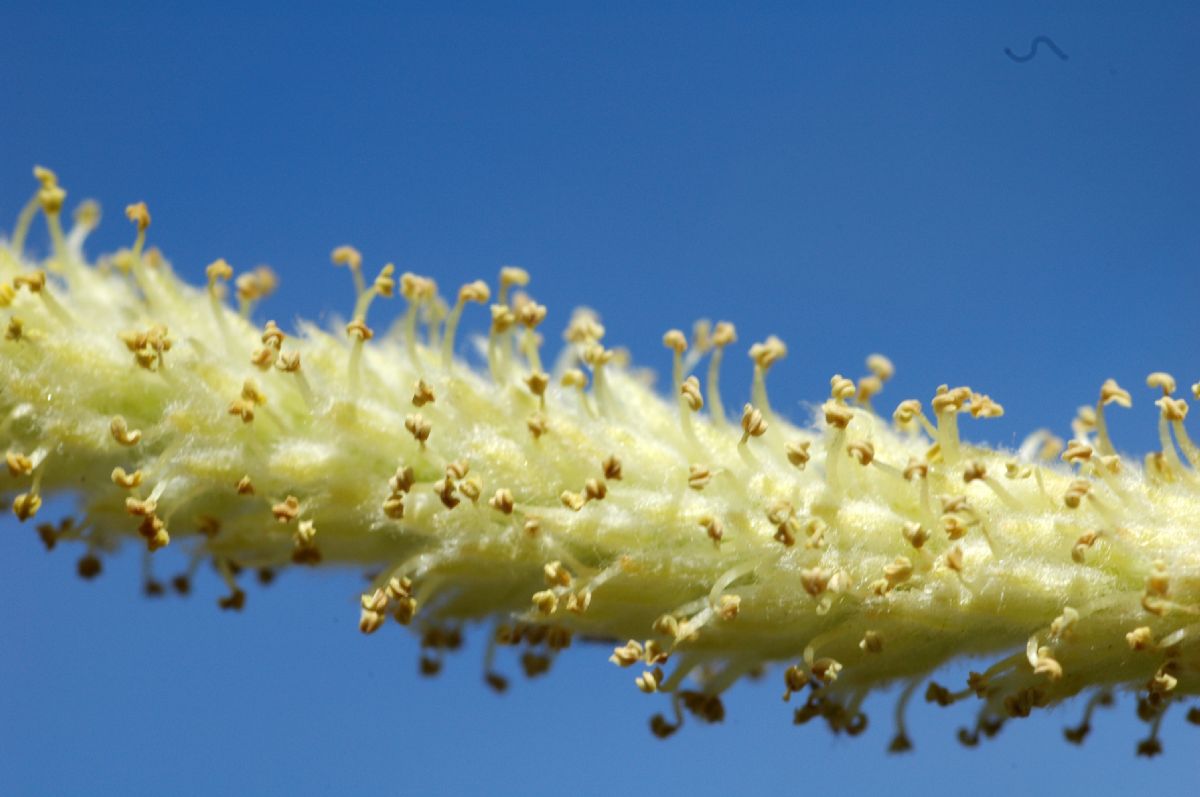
{"points": [[723, 334], [764, 355], [477, 292]]}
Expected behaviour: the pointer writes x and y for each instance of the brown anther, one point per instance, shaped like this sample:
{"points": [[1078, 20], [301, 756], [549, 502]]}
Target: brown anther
{"points": [[556, 575], [15, 329], [1077, 452], [1158, 582], [241, 408], [915, 469], [676, 341], [837, 415], [798, 453], [915, 533], [1014, 470], [1082, 544], [954, 526], [690, 392], [936, 693], [89, 567], [537, 382], [532, 526], [1163, 381], [530, 314], [26, 505], [444, 488], [471, 488], [753, 424], [973, 471], [698, 476], [536, 424], [289, 362], [573, 377], [244, 486], [263, 358], [767, 353], [841, 388], [370, 621], [612, 468], [286, 510], [422, 394], [1196, 390], [545, 601], [122, 433], [257, 284], [628, 654], [139, 214], [728, 606], [713, 528], [154, 531], [861, 451], [33, 282], [649, 681], [815, 580], [359, 330], [826, 670], [954, 559], [906, 412], [881, 367], [218, 271], [18, 464], [348, 256], [1075, 493], [418, 427], [794, 679], [393, 506], [126, 480], [595, 489], [458, 469], [1172, 409], [502, 501]]}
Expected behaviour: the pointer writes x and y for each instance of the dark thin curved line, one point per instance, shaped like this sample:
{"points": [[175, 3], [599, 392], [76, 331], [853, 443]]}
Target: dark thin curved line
{"points": [[1033, 48]]}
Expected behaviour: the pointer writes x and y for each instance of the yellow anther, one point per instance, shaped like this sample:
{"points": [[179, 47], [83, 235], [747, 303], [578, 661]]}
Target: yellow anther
{"points": [[690, 392], [289, 362], [348, 256], [393, 506], [7, 294], [698, 476], [502, 318], [954, 559], [1172, 409], [611, 467], [713, 528], [139, 214], [418, 427], [286, 510], [841, 388], [1077, 452], [974, 470], [358, 330], [898, 572], [15, 329], [536, 424], [305, 534], [676, 341], [218, 271], [1082, 544], [1015, 470], [87, 214], [794, 679], [881, 367], [753, 424], [798, 453], [458, 469], [837, 415], [723, 334], [862, 452], [573, 377], [868, 388], [915, 534], [45, 176], [155, 533], [906, 412], [572, 501], [982, 406], [244, 486], [1196, 390], [502, 501], [1158, 582], [530, 314], [251, 393], [728, 606], [596, 355], [126, 481], [26, 505], [1140, 639], [584, 327], [241, 408], [628, 654], [1112, 393], [18, 464], [1045, 664], [649, 681], [767, 353], [815, 580], [513, 275], [51, 198], [257, 284], [915, 469], [1161, 380], [476, 291], [954, 526], [122, 433], [532, 526], [537, 382], [545, 601], [556, 575], [422, 394], [385, 283], [947, 400]]}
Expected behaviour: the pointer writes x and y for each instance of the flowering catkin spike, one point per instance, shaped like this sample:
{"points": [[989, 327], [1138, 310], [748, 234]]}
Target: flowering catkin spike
{"points": [[574, 517]]}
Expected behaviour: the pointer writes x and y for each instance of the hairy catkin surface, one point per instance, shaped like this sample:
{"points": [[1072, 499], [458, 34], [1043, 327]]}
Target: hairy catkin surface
{"points": [[857, 550]]}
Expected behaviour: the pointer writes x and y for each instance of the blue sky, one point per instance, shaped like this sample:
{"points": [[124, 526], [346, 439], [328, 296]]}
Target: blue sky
{"points": [[851, 180]]}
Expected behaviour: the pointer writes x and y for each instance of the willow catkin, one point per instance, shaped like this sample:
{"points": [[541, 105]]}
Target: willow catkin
{"points": [[856, 551]]}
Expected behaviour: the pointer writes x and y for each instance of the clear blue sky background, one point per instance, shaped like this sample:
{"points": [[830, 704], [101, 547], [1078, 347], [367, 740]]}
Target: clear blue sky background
{"points": [[872, 179]]}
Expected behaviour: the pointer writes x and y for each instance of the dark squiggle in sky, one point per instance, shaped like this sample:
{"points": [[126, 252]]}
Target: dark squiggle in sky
{"points": [[1033, 48]]}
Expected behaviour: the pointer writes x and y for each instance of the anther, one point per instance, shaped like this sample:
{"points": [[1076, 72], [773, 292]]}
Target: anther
{"points": [[612, 468], [713, 528], [244, 486], [915, 533], [536, 424], [837, 415], [545, 601], [872, 642], [753, 424], [1077, 452], [1163, 381], [26, 505], [862, 452], [422, 394], [698, 476], [502, 501], [418, 427], [477, 292], [286, 510], [18, 464], [122, 433], [126, 481], [798, 453], [628, 654]]}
